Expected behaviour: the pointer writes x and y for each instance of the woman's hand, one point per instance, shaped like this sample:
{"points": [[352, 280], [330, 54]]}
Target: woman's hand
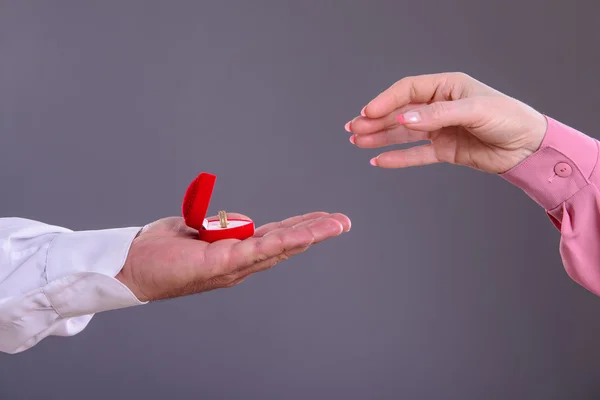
{"points": [[465, 121]]}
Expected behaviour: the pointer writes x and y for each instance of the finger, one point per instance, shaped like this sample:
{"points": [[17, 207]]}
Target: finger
{"points": [[418, 89], [320, 230], [397, 135], [255, 250], [344, 220], [261, 231], [465, 112], [363, 125], [341, 218], [415, 156], [267, 264]]}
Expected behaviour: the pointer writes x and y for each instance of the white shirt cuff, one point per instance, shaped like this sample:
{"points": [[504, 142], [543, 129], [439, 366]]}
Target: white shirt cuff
{"points": [[81, 268]]}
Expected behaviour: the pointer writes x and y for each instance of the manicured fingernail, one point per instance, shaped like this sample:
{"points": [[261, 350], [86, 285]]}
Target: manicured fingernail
{"points": [[353, 139], [347, 126], [362, 112], [410, 117], [374, 161]]}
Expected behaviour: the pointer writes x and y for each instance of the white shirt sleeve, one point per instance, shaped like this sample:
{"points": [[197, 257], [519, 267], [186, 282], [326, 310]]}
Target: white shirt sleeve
{"points": [[53, 280]]}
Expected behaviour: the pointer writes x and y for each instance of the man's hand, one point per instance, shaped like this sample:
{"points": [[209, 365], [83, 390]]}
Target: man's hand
{"points": [[167, 260], [465, 121]]}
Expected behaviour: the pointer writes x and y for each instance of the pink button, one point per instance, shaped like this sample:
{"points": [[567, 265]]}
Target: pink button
{"points": [[563, 169]]}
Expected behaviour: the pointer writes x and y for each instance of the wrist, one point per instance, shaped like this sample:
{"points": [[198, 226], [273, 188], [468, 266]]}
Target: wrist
{"points": [[532, 140], [127, 275], [539, 127]]}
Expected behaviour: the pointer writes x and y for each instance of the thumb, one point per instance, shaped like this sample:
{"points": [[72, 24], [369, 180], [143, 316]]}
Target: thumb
{"points": [[441, 114]]}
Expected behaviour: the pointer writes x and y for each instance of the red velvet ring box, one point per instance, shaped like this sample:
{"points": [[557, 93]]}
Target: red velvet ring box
{"points": [[195, 206]]}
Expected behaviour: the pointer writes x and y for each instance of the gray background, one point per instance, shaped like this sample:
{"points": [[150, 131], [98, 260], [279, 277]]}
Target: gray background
{"points": [[108, 109]]}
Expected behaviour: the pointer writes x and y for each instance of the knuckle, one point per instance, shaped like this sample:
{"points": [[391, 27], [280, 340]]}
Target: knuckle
{"points": [[220, 261], [460, 77], [283, 257], [437, 110], [456, 85], [234, 282], [225, 280], [272, 262], [481, 106], [404, 81], [219, 270], [280, 241], [477, 106], [265, 248]]}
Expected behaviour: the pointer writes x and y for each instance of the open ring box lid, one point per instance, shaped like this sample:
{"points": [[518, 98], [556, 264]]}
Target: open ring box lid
{"points": [[195, 207]]}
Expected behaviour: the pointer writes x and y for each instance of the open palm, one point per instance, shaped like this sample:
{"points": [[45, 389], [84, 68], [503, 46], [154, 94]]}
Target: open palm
{"points": [[167, 259]]}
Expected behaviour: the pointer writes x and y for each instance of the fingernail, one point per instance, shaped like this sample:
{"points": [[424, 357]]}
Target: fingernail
{"points": [[347, 126], [362, 112], [353, 139], [410, 117], [374, 161]]}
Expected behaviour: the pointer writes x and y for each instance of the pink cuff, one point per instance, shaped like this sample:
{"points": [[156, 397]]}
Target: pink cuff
{"points": [[559, 169]]}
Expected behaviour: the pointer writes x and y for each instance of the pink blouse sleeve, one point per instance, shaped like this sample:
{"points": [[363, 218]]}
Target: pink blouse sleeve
{"points": [[562, 178]]}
